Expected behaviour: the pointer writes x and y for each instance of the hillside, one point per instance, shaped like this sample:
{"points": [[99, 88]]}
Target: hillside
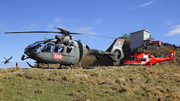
{"points": [[160, 52], [117, 83], [95, 81]]}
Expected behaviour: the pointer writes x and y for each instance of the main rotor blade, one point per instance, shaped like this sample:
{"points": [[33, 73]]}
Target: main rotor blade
{"points": [[40, 32], [5, 58], [99, 36], [74, 33], [66, 33], [32, 32]]}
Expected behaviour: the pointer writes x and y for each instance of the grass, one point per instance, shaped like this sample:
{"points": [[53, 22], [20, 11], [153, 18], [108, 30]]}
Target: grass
{"points": [[101, 83]]}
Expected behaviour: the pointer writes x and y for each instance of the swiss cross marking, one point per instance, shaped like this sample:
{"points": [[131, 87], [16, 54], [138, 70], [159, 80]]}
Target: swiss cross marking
{"points": [[58, 56]]}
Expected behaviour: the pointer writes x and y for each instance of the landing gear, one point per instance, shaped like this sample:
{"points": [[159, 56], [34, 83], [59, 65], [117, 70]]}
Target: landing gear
{"points": [[60, 66], [38, 66], [71, 67], [48, 66]]}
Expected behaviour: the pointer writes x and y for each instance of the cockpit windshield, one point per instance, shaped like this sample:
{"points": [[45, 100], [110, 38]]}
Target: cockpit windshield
{"points": [[132, 59], [35, 47], [36, 43]]}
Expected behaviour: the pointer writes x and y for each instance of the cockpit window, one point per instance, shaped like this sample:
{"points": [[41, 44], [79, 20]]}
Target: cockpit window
{"points": [[40, 47], [69, 49], [35, 47], [136, 59], [48, 48], [132, 59], [36, 43], [59, 48]]}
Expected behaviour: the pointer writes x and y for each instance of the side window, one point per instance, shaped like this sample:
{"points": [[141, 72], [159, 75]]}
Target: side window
{"points": [[48, 48], [40, 46], [59, 48], [140, 59], [136, 59], [144, 59], [69, 49]]}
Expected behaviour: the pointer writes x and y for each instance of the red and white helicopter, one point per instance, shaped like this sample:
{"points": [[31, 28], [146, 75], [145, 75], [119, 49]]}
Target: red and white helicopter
{"points": [[147, 59]]}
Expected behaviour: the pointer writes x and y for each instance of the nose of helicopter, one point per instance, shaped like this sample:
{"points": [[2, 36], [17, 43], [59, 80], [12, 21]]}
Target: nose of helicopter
{"points": [[31, 49], [28, 52]]}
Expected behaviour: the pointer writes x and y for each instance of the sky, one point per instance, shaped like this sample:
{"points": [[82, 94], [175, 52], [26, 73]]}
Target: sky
{"points": [[98, 17]]}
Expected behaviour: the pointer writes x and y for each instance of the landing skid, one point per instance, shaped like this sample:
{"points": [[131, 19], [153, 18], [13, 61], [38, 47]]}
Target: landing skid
{"points": [[38, 66], [62, 68], [29, 64]]}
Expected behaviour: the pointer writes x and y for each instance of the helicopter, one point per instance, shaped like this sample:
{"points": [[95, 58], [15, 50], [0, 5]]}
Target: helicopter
{"points": [[7, 60], [145, 58], [65, 50]]}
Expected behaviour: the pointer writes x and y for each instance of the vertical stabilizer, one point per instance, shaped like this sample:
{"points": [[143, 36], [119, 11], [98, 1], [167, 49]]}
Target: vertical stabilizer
{"points": [[116, 50], [172, 55]]}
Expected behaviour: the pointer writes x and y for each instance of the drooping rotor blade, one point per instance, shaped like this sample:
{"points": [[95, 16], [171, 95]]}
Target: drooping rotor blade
{"points": [[99, 36], [68, 32]]}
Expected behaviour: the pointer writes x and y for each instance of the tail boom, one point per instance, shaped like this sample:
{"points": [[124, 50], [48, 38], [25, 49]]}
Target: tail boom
{"points": [[161, 59], [114, 52]]}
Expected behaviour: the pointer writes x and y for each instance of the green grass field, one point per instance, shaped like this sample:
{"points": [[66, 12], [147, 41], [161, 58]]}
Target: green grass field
{"points": [[117, 83], [106, 83]]}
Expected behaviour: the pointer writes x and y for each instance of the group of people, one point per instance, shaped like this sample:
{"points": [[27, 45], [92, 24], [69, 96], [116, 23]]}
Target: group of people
{"points": [[170, 45]]}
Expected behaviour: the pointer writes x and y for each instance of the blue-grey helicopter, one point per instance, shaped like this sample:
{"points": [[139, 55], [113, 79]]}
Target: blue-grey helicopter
{"points": [[65, 50]]}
